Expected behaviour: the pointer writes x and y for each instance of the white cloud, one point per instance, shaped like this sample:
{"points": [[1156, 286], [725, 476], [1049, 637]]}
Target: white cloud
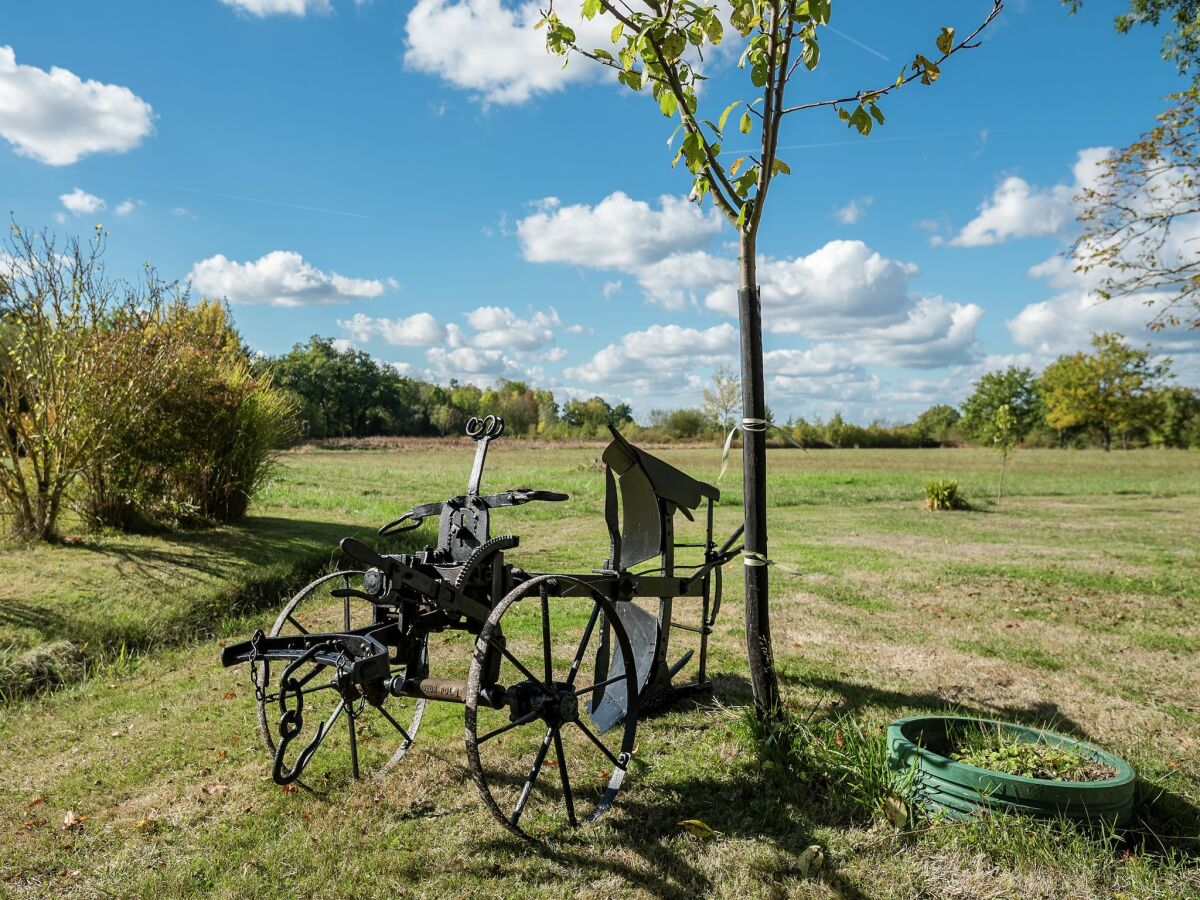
{"points": [[182, 212], [80, 203], [477, 366], [56, 117], [280, 278], [501, 329], [264, 8], [853, 211], [1017, 209], [684, 278], [934, 333], [832, 292], [611, 287], [656, 361], [125, 207], [493, 50], [617, 233], [419, 330]]}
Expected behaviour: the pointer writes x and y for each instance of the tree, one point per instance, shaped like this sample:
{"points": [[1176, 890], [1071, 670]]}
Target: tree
{"points": [[1015, 388], [724, 398], [75, 366], [1111, 390], [1177, 417], [1141, 218], [652, 40], [935, 423], [1005, 440]]}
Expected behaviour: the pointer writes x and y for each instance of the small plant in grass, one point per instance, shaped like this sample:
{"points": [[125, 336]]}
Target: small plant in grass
{"points": [[994, 749], [942, 493], [841, 762]]}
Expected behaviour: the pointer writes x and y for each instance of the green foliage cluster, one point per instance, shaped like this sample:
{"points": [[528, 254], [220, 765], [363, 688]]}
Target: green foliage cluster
{"points": [[347, 393], [1115, 393], [942, 494], [989, 747], [207, 439]]}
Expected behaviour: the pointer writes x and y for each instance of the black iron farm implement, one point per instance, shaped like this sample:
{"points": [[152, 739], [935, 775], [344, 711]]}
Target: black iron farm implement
{"points": [[557, 662]]}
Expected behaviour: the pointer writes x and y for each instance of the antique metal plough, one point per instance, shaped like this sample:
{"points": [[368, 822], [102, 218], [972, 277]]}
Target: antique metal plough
{"points": [[560, 662]]}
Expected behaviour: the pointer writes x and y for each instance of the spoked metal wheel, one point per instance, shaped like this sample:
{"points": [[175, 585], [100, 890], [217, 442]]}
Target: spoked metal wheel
{"points": [[374, 739], [557, 752]]}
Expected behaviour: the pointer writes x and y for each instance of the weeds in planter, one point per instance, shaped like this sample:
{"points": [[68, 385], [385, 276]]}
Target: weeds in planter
{"points": [[942, 493], [993, 748]]}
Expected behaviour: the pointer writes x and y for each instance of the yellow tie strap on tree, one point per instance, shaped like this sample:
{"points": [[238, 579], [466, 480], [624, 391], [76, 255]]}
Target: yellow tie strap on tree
{"points": [[752, 425], [751, 558]]}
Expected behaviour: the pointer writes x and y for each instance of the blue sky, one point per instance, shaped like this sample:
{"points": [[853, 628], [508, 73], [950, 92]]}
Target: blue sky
{"points": [[419, 180]]}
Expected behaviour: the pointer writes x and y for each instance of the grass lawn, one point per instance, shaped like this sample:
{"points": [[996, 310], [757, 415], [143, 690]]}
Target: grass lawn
{"points": [[1074, 603]]}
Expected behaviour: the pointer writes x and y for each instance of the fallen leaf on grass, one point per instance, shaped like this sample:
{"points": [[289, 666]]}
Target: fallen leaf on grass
{"points": [[214, 789], [696, 828], [146, 824], [229, 695], [73, 820], [811, 860], [895, 811], [288, 788], [36, 802]]}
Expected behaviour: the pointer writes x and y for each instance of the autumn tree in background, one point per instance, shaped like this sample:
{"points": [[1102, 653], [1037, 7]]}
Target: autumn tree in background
{"points": [[659, 48], [1113, 390], [74, 364], [724, 398]]}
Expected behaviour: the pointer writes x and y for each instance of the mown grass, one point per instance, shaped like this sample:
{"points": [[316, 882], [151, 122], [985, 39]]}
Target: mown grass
{"points": [[1074, 604]]}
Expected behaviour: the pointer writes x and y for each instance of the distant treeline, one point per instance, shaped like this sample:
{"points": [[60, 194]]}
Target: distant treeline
{"points": [[1115, 394]]}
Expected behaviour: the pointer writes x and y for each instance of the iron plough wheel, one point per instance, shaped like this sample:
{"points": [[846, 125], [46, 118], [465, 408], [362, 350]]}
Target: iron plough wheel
{"points": [[557, 753], [374, 739]]}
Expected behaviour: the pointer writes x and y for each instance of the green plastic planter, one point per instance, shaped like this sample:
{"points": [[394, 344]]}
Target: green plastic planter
{"points": [[963, 791]]}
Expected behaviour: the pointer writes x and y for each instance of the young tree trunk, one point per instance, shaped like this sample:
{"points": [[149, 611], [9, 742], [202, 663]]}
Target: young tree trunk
{"points": [[754, 490], [1000, 487]]}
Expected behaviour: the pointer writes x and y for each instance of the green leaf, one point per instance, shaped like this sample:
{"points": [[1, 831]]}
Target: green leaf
{"points": [[745, 124], [671, 139], [811, 54], [741, 219], [945, 41], [900, 77], [616, 32], [779, 167], [737, 164], [877, 113], [603, 54], [668, 104], [716, 130], [758, 74], [713, 28], [591, 8], [929, 71], [725, 115]]}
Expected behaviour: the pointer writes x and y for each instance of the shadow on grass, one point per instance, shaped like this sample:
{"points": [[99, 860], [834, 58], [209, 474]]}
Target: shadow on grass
{"points": [[202, 578]]}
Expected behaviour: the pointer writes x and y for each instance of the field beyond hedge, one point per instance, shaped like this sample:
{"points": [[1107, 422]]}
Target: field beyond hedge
{"points": [[1075, 603]]}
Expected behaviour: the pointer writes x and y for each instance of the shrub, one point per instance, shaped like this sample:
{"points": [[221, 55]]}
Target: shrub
{"points": [[73, 365], [943, 493], [209, 440]]}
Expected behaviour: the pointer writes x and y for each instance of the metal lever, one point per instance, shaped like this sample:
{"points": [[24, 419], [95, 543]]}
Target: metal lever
{"points": [[360, 552]]}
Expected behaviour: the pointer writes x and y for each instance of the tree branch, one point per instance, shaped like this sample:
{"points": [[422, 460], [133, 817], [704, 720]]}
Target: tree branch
{"points": [[965, 44]]}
